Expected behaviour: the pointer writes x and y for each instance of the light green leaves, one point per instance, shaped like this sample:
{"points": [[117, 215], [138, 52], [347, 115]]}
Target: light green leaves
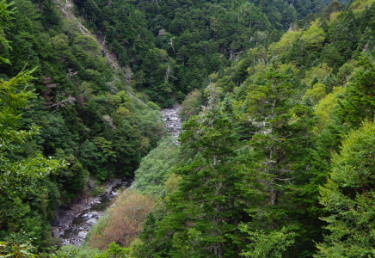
{"points": [[349, 196], [5, 17], [156, 168], [271, 245]]}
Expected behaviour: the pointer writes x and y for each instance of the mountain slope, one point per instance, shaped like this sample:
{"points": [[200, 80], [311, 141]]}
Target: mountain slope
{"points": [[172, 46], [290, 106], [82, 108]]}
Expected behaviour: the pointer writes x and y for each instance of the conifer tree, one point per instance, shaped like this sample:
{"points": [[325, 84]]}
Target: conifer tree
{"points": [[359, 101], [282, 126], [206, 208], [16, 178], [349, 197], [278, 167]]}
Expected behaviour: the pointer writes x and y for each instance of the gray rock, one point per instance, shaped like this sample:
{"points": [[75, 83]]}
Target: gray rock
{"points": [[82, 234], [91, 221], [55, 232], [172, 121]]}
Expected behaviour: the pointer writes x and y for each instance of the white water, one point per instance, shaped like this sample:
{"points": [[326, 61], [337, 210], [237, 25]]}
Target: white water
{"points": [[72, 222], [172, 121]]}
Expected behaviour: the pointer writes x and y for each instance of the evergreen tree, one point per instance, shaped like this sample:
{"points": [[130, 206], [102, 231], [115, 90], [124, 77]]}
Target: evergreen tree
{"points": [[280, 151], [204, 212], [348, 196], [359, 101]]}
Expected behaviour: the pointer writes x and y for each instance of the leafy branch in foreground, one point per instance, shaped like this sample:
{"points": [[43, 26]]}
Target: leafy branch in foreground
{"points": [[16, 178]]}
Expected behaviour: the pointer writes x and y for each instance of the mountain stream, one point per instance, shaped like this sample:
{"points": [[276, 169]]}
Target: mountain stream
{"points": [[74, 220], [172, 121]]}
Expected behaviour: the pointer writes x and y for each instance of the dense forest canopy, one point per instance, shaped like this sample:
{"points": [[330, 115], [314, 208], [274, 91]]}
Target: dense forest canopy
{"points": [[172, 46], [61, 99], [275, 158]]}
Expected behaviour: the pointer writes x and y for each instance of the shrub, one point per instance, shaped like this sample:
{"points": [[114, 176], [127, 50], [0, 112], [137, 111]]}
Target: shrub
{"points": [[123, 221]]}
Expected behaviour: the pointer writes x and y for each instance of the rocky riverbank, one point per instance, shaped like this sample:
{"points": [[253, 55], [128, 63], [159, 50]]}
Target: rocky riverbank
{"points": [[173, 121], [74, 219]]}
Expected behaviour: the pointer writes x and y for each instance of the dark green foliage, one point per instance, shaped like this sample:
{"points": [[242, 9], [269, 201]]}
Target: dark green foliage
{"points": [[330, 2], [249, 166], [204, 213], [186, 41], [114, 250], [84, 114], [358, 104], [333, 6], [282, 160]]}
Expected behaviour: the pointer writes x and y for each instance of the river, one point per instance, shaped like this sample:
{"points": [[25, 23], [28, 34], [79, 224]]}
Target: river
{"points": [[172, 121], [74, 220]]}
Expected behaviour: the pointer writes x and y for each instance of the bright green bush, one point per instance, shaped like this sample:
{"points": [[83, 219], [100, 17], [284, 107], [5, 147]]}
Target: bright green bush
{"points": [[155, 168]]}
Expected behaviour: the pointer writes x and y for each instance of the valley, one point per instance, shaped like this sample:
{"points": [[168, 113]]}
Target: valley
{"points": [[194, 128]]}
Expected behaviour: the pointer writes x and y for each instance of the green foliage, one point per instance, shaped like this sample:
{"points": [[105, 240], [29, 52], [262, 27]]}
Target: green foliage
{"points": [[24, 177], [317, 73], [284, 155], [289, 38], [71, 251], [113, 251], [314, 36], [76, 110], [171, 185], [325, 107], [97, 190], [276, 170], [17, 245], [204, 208], [19, 177], [358, 103], [272, 245], [245, 179], [156, 168], [348, 196], [191, 105], [186, 41], [317, 93], [5, 18]]}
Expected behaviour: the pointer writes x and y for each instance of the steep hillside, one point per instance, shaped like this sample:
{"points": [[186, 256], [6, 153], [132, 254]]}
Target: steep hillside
{"points": [[172, 46], [275, 158], [80, 103], [262, 171]]}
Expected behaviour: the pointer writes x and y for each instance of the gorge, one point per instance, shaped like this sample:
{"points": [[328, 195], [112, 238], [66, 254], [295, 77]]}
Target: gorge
{"points": [[274, 158], [74, 220]]}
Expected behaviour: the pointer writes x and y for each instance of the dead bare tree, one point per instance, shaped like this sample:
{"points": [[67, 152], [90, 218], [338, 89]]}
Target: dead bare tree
{"points": [[62, 103], [46, 93], [70, 73], [167, 73], [171, 43]]}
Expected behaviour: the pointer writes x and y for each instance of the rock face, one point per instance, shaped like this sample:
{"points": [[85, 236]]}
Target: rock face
{"points": [[172, 121]]}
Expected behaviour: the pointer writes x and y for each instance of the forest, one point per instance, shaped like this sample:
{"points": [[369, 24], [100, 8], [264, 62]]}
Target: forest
{"points": [[275, 157]]}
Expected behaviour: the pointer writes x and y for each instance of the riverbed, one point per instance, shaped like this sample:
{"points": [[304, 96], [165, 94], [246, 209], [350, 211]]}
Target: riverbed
{"points": [[74, 220], [173, 121]]}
